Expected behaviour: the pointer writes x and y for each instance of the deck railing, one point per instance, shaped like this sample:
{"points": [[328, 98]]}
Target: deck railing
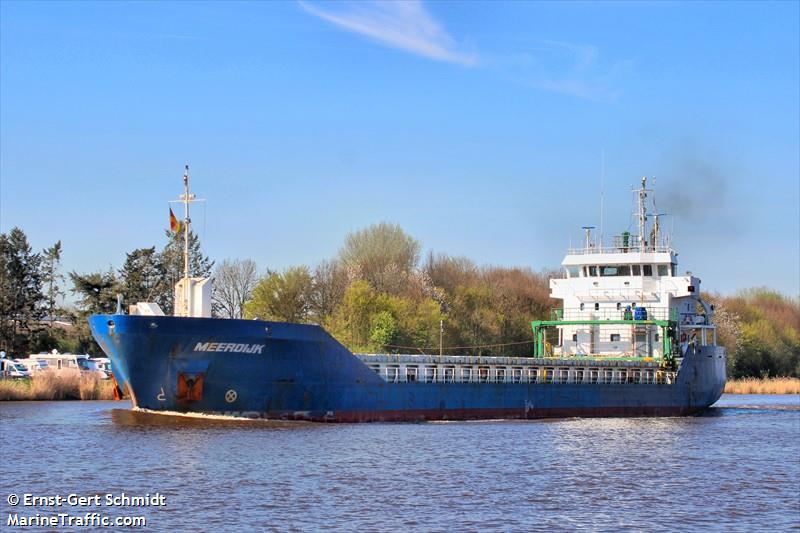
{"points": [[539, 375], [623, 244], [588, 313]]}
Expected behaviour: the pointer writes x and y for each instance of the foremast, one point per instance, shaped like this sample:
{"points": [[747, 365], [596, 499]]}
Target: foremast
{"points": [[192, 294]]}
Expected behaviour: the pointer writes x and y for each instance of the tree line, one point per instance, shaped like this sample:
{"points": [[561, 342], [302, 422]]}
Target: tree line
{"points": [[379, 294]]}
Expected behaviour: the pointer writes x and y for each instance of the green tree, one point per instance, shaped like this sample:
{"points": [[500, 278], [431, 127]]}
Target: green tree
{"points": [[97, 292], [171, 259], [21, 298], [52, 278], [142, 276], [382, 254], [368, 320], [474, 317], [283, 296], [383, 330]]}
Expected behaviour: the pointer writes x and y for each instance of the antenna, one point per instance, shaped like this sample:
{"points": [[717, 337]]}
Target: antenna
{"points": [[588, 232]]}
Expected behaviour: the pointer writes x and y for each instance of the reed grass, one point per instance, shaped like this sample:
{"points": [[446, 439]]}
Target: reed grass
{"points": [[763, 386], [52, 385]]}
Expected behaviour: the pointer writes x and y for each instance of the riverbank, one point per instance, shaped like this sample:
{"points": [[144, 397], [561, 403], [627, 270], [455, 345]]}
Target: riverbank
{"points": [[763, 386], [48, 385]]}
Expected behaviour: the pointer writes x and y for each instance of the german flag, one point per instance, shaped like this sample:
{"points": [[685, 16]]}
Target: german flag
{"points": [[174, 223]]}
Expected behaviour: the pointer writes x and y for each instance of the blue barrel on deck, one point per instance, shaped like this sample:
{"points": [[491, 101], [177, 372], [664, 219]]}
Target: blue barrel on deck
{"points": [[640, 313]]}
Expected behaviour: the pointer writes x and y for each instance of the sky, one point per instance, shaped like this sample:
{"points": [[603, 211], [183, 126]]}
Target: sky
{"points": [[485, 129]]}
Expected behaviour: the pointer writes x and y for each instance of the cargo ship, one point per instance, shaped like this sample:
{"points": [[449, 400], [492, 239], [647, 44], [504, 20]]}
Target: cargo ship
{"points": [[633, 338]]}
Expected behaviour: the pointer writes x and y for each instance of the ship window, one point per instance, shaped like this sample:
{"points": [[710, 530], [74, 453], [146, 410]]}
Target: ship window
{"points": [[500, 374], [375, 368], [430, 374], [624, 270], [619, 306], [647, 270], [548, 375], [597, 306], [466, 374], [516, 375], [592, 270], [579, 376], [581, 306], [411, 374], [573, 271], [483, 374], [449, 374], [593, 375], [574, 337], [663, 270], [608, 270], [657, 337], [636, 271], [615, 337], [533, 374], [391, 374]]}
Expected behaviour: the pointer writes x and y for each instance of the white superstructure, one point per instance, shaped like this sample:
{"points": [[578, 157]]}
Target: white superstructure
{"points": [[629, 297]]}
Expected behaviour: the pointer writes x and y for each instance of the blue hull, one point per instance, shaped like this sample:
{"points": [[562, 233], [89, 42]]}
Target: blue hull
{"points": [[300, 372]]}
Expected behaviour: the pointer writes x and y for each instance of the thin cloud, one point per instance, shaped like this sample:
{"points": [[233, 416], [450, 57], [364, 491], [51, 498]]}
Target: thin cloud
{"points": [[404, 25], [565, 68]]}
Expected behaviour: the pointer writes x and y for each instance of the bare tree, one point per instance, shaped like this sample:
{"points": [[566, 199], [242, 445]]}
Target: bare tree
{"points": [[330, 280], [383, 254], [234, 282]]}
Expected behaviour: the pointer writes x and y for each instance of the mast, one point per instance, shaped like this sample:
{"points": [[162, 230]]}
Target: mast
{"points": [[186, 222], [642, 214]]}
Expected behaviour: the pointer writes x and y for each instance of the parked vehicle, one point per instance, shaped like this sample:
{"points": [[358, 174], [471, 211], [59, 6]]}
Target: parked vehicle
{"points": [[61, 362], [103, 363], [33, 366], [12, 369]]}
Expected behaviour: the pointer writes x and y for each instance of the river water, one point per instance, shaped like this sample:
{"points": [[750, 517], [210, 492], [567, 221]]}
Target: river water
{"points": [[736, 468]]}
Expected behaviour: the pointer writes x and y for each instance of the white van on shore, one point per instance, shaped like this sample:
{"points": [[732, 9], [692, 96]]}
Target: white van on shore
{"points": [[13, 369]]}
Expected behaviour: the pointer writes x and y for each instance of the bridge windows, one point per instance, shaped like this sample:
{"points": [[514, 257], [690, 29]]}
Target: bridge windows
{"points": [[636, 270], [647, 270], [663, 270]]}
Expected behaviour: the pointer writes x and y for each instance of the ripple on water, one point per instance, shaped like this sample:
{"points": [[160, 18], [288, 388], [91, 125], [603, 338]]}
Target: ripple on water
{"points": [[734, 469]]}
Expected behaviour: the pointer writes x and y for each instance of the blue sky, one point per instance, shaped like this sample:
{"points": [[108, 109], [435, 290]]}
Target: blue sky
{"points": [[478, 127]]}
